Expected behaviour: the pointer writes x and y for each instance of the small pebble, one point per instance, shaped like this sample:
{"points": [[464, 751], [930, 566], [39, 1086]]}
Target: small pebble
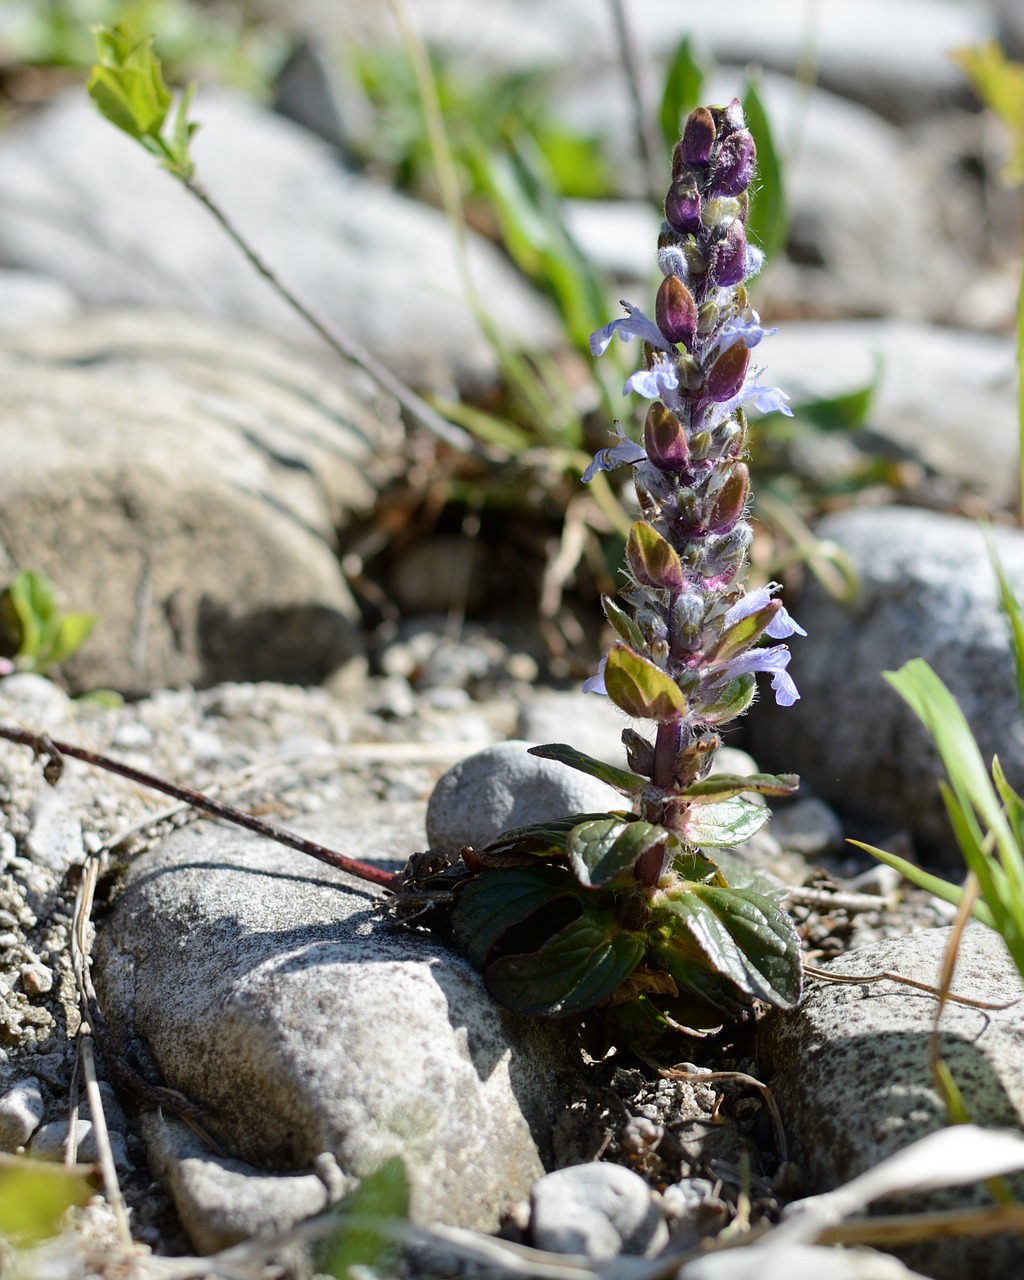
{"points": [[599, 1210], [809, 827], [21, 1113], [36, 979]]}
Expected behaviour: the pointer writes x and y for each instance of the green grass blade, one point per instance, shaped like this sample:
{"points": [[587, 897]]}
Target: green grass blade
{"points": [[932, 884], [684, 83], [1011, 607], [768, 220]]}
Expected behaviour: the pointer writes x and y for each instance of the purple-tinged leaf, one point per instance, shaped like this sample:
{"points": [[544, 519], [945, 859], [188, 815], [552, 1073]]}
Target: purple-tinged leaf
{"points": [[676, 312], [652, 560], [698, 137], [640, 688], [604, 849], [723, 786]]}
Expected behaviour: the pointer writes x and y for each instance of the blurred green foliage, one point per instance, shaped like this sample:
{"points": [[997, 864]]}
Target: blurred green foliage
{"points": [[34, 1198], [34, 631], [218, 39]]}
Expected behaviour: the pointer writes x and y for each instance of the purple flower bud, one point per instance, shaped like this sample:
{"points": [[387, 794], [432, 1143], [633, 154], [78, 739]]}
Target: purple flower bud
{"points": [[665, 439], [676, 311], [729, 257], [734, 164], [727, 374], [698, 137], [682, 204], [729, 119]]}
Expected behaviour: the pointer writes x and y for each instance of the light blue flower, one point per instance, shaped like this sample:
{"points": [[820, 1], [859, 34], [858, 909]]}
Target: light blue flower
{"points": [[764, 399], [774, 661], [634, 325], [626, 452], [660, 382], [747, 330], [782, 625], [595, 683]]}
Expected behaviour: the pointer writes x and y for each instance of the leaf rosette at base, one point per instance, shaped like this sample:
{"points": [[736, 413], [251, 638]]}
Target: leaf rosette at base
{"points": [[613, 912]]}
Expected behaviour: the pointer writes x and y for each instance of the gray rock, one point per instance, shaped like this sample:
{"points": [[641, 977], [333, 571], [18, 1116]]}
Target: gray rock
{"points": [[587, 721], [927, 590], [598, 1210], [796, 1262], [21, 1113], [50, 1142], [221, 1202], [894, 57], [28, 300], [502, 787], [932, 381], [55, 838], [183, 480], [36, 701], [807, 826], [852, 1079], [274, 992], [80, 200]]}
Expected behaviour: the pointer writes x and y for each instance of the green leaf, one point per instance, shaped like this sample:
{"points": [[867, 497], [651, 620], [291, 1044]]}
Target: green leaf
{"points": [[767, 220], [846, 411], [494, 901], [574, 970], [652, 560], [72, 630], [742, 635], [34, 1198], [723, 786], [746, 937], [942, 889], [999, 83], [734, 699], [621, 779], [599, 851], [623, 623], [722, 824], [127, 84], [684, 81], [1014, 614], [539, 839], [382, 1194], [640, 688], [971, 802]]}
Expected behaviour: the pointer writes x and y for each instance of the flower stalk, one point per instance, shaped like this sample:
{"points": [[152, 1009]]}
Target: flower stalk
{"points": [[631, 911]]}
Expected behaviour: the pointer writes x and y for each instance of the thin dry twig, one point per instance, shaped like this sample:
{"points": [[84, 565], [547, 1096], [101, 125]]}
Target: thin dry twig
{"points": [[887, 976], [111, 1186], [53, 751], [738, 1077]]}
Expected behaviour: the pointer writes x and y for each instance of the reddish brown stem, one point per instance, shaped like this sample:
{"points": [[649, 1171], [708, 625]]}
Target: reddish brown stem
{"points": [[45, 746]]}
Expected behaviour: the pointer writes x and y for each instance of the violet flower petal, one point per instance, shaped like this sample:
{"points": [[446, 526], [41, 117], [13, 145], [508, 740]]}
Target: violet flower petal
{"points": [[595, 683], [628, 327], [773, 661], [656, 383], [626, 452]]}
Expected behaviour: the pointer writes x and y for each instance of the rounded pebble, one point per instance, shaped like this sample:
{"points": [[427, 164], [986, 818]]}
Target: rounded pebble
{"points": [[598, 1210], [21, 1113], [503, 786]]}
